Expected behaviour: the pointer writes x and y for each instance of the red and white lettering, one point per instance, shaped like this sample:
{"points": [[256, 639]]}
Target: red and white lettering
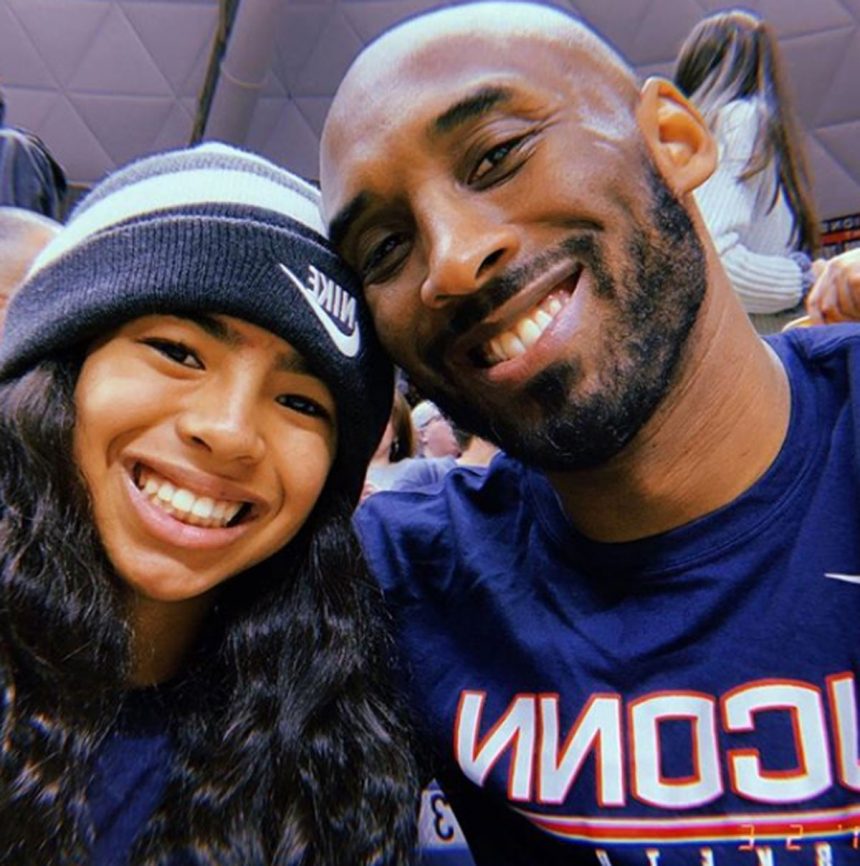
{"points": [[597, 729], [803, 702], [649, 783], [843, 710], [514, 731]]}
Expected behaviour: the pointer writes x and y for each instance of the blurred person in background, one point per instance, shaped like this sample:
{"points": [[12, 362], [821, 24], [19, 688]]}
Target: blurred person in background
{"points": [[474, 451], [435, 432], [395, 447], [758, 204], [835, 297], [395, 465], [29, 176], [23, 234]]}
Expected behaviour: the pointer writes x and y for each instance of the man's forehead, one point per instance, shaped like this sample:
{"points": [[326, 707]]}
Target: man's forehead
{"points": [[426, 54], [431, 51]]}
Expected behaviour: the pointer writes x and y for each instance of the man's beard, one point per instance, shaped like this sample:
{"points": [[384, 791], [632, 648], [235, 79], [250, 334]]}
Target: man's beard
{"points": [[656, 298]]}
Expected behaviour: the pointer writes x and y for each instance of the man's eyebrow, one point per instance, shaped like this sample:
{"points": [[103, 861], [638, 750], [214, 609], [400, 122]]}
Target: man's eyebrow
{"points": [[471, 106], [346, 216], [474, 105]]}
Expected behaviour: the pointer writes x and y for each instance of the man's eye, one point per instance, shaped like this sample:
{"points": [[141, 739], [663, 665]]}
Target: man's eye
{"points": [[494, 158], [303, 405], [380, 257], [178, 352]]}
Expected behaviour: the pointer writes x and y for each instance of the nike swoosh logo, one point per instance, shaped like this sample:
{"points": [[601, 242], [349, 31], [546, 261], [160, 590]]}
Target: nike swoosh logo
{"points": [[846, 578], [347, 344]]}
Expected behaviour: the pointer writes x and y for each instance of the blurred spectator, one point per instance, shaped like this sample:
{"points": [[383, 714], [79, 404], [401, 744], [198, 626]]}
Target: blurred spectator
{"points": [[22, 236], [474, 451], [397, 444], [835, 297], [758, 204], [29, 176], [435, 433], [394, 466]]}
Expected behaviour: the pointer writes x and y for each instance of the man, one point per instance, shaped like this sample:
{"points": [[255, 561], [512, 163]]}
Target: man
{"points": [[635, 640], [23, 234], [30, 177]]}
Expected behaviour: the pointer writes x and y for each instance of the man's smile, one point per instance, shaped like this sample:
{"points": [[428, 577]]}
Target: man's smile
{"points": [[516, 339], [516, 325]]}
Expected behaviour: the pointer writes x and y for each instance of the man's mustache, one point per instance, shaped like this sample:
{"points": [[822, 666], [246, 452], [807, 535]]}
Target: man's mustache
{"points": [[472, 309]]}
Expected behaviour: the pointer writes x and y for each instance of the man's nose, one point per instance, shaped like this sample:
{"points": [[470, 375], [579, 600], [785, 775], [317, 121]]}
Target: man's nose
{"points": [[222, 418], [467, 242]]}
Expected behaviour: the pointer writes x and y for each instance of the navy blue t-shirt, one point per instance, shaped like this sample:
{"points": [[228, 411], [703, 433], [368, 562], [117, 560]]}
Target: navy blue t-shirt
{"points": [[688, 698]]}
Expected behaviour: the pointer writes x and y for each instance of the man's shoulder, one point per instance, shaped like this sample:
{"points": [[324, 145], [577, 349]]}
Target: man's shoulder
{"points": [[819, 344], [466, 495]]}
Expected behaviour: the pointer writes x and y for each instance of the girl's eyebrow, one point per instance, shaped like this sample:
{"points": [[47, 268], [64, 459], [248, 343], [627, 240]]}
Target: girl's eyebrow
{"points": [[287, 362]]}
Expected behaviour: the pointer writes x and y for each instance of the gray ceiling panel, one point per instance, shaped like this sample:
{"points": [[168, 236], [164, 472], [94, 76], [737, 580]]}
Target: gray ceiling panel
{"points": [[103, 81]]}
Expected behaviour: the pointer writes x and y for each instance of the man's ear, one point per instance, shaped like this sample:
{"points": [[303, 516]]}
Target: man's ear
{"points": [[677, 136]]}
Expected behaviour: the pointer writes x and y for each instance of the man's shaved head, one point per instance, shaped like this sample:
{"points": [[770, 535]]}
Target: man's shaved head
{"points": [[569, 42], [498, 24]]}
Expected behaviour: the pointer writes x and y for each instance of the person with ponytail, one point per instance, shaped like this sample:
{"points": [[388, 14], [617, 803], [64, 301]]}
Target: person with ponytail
{"points": [[193, 657], [758, 205]]}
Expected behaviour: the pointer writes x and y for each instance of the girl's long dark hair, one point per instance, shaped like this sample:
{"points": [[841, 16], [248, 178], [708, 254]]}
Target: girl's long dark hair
{"points": [[289, 748], [735, 55]]}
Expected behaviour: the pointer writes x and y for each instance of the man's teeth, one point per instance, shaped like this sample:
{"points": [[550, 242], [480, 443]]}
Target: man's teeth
{"points": [[184, 505], [526, 332]]}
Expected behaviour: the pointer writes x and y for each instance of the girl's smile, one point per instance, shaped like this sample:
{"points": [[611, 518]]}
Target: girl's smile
{"points": [[205, 444]]}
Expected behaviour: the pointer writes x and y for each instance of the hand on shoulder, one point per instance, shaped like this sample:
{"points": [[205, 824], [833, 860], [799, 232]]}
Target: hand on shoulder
{"points": [[835, 295]]}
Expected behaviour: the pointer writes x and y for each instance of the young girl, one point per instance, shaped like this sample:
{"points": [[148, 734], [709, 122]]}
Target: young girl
{"points": [[192, 659], [759, 204]]}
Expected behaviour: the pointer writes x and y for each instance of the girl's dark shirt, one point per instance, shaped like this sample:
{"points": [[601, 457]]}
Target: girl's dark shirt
{"points": [[129, 776]]}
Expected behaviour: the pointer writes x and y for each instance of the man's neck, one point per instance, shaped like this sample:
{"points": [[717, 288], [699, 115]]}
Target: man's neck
{"points": [[714, 435]]}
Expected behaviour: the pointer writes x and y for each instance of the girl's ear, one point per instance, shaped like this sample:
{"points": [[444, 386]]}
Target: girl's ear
{"points": [[677, 136]]}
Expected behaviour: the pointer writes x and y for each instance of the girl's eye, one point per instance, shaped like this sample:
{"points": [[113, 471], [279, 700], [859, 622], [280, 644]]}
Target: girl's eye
{"points": [[494, 158], [303, 405], [175, 351]]}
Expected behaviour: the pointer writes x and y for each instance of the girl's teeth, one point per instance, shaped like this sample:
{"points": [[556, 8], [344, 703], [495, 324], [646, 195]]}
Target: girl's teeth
{"points": [[202, 507], [166, 491], [183, 500], [184, 505], [231, 511]]}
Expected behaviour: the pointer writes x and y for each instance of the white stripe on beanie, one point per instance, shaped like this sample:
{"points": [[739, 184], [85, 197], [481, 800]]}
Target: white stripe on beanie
{"points": [[211, 184]]}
